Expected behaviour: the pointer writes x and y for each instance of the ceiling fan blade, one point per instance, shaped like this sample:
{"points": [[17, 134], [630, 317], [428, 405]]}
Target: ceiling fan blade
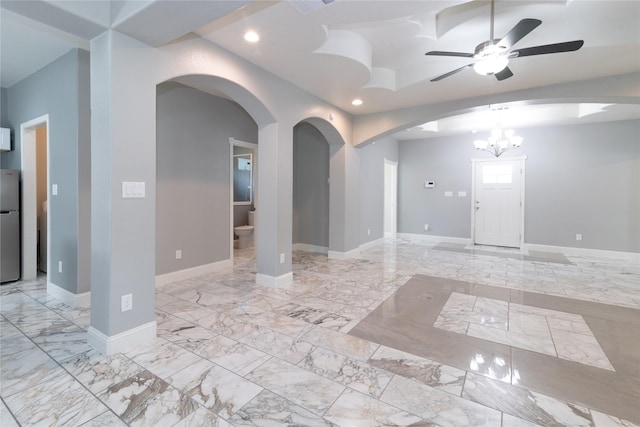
{"points": [[547, 48], [441, 53], [450, 73], [504, 74], [520, 30]]}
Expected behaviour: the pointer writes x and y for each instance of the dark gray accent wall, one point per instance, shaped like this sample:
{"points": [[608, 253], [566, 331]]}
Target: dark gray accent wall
{"points": [[61, 89], [580, 179], [310, 186], [193, 175], [372, 158]]}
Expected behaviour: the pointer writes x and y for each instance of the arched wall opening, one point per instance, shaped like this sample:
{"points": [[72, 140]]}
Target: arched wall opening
{"points": [[193, 178]]}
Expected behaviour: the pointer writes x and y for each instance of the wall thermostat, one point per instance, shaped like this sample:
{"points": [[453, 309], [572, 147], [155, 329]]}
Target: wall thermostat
{"points": [[429, 184]]}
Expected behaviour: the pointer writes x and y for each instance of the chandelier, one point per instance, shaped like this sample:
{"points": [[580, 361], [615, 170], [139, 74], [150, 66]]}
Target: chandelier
{"points": [[500, 141]]}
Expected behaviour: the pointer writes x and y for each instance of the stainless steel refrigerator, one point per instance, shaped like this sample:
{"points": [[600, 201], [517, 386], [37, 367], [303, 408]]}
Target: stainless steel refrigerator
{"points": [[9, 225]]}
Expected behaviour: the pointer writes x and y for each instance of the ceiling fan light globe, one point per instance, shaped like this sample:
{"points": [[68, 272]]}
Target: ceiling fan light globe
{"points": [[491, 65]]}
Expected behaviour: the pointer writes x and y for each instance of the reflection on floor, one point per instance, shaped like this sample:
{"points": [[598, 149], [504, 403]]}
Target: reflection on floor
{"points": [[408, 333]]}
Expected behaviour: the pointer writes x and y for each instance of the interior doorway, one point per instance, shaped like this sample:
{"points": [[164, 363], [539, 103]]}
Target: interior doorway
{"points": [[498, 202], [243, 165], [390, 198], [35, 196]]}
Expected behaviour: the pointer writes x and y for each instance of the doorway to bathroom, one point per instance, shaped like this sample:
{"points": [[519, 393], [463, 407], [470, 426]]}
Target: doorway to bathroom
{"points": [[243, 164]]}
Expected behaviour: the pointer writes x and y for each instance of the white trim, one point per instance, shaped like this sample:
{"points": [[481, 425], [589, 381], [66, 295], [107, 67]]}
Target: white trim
{"points": [[393, 196], [29, 210], [273, 281], [69, 298], [188, 273], [124, 341], [310, 248], [435, 239], [569, 251], [372, 243], [344, 255]]}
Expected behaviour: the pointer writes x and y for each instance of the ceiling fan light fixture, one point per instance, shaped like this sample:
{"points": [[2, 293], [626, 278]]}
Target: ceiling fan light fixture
{"points": [[491, 65]]}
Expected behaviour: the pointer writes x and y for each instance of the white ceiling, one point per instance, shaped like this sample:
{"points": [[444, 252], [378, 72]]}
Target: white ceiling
{"points": [[368, 49]]}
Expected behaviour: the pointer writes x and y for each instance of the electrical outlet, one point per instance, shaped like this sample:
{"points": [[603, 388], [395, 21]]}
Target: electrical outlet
{"points": [[126, 302], [179, 254], [578, 236], [282, 258], [426, 227], [368, 232], [59, 266]]}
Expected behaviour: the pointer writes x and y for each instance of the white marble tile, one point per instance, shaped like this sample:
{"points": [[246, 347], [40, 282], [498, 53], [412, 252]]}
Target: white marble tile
{"points": [[162, 357], [269, 409], [64, 344], [528, 405], [429, 372], [511, 421], [341, 343], [442, 408], [355, 409], [106, 419], [6, 418], [451, 324], [26, 368], [202, 418], [529, 324], [233, 355], [300, 386], [226, 325], [282, 324], [514, 339], [580, 348], [520, 308], [604, 420], [146, 400], [59, 400], [214, 387], [573, 326], [97, 371], [355, 374], [282, 346]]}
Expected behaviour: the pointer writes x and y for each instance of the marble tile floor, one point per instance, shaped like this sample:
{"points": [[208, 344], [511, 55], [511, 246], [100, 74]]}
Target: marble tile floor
{"points": [[232, 353]]}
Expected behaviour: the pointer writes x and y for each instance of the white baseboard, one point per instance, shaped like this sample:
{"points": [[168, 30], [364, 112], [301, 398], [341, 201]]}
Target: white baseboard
{"points": [[189, 273], [434, 239], [273, 281], [371, 244], [344, 255], [124, 341], [310, 248], [599, 253], [69, 298]]}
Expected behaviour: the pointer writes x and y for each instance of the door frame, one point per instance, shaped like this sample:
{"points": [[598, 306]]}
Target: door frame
{"points": [[28, 197], [254, 170], [393, 197], [474, 163]]}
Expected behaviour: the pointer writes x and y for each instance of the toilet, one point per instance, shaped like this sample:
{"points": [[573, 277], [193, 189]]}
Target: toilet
{"points": [[245, 232]]}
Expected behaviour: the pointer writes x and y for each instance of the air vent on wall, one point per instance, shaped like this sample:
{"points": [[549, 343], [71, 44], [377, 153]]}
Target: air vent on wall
{"points": [[305, 7]]}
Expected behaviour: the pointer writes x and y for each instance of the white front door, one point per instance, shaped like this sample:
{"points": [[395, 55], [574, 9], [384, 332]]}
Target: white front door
{"points": [[498, 202]]}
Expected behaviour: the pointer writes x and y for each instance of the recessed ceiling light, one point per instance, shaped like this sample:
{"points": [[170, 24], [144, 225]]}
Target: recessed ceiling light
{"points": [[356, 102], [251, 36]]}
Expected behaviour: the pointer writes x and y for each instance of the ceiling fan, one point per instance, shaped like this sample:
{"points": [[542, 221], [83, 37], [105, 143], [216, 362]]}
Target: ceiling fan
{"points": [[493, 55]]}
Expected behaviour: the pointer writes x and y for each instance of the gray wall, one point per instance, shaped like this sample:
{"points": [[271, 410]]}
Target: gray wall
{"points": [[372, 158], [61, 90], [193, 176], [310, 186], [4, 119], [579, 179]]}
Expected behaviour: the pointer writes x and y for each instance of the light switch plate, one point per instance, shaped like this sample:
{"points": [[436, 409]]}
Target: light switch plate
{"points": [[448, 194], [133, 190]]}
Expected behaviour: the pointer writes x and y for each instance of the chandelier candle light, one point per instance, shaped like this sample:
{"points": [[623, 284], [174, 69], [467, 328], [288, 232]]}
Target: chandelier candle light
{"points": [[499, 141]]}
